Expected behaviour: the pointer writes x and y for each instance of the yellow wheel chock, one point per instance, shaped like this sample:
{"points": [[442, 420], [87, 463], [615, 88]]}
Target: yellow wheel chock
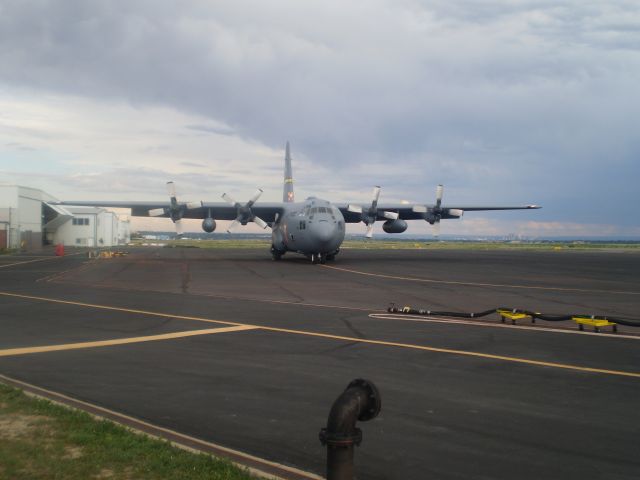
{"points": [[513, 316], [596, 323]]}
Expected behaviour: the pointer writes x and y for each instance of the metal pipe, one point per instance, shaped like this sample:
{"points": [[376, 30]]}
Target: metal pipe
{"points": [[360, 401]]}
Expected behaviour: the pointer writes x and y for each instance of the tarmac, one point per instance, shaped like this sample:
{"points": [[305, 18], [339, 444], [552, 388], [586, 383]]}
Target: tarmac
{"points": [[227, 347]]}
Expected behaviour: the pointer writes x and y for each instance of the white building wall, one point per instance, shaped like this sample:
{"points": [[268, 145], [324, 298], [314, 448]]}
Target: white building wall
{"points": [[9, 214], [21, 214], [124, 230], [105, 237], [21, 222], [103, 230], [29, 214], [72, 235]]}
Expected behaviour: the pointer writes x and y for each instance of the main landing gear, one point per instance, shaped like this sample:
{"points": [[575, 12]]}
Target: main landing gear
{"points": [[276, 254]]}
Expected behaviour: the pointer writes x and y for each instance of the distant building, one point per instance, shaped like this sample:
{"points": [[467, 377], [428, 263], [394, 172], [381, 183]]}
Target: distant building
{"points": [[30, 219], [93, 227]]}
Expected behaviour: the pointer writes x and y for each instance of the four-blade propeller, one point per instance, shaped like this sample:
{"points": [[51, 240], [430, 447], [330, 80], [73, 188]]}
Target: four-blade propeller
{"points": [[434, 214], [369, 215], [176, 210], [245, 215]]}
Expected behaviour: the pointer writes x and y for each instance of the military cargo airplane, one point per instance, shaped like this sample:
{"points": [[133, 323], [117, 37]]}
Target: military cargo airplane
{"points": [[314, 227]]}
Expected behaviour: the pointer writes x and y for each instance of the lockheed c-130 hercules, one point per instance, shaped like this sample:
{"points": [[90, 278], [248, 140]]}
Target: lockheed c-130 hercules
{"points": [[314, 227]]}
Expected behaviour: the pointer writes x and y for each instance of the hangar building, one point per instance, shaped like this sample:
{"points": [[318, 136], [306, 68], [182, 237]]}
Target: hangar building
{"points": [[29, 220], [93, 227]]}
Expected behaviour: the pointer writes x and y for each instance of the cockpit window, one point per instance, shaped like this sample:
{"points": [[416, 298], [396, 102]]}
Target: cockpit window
{"points": [[322, 210]]}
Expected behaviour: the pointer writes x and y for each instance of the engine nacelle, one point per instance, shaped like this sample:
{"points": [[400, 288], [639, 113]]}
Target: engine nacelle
{"points": [[208, 225], [394, 226]]}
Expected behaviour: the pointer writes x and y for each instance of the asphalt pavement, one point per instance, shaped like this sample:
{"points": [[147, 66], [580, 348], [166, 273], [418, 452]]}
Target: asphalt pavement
{"points": [[233, 348]]}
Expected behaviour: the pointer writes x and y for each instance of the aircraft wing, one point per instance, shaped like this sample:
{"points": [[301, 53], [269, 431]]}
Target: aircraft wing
{"points": [[219, 210], [408, 211]]}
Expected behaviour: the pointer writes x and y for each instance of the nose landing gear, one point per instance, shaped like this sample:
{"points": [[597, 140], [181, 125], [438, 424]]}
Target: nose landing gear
{"points": [[322, 258], [318, 258]]}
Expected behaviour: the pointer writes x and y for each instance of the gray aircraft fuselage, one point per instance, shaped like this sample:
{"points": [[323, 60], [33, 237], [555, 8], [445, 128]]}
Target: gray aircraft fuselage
{"points": [[313, 227]]}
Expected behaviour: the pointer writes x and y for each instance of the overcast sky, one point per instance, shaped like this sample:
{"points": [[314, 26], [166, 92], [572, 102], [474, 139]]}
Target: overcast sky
{"points": [[504, 102]]}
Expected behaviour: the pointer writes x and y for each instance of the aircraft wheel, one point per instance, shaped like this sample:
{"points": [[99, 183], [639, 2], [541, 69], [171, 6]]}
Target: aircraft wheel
{"points": [[315, 258], [276, 254], [323, 259]]}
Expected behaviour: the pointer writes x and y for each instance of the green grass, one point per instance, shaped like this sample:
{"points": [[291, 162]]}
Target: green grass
{"points": [[444, 245], [230, 243], [42, 440], [408, 245]]}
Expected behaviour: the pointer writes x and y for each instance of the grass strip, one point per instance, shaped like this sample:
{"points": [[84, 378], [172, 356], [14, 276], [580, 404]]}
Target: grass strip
{"points": [[357, 244], [42, 440]]}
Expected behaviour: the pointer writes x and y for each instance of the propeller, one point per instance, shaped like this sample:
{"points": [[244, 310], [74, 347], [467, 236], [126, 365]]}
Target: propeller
{"points": [[245, 215], [369, 215], [434, 214], [176, 210]]}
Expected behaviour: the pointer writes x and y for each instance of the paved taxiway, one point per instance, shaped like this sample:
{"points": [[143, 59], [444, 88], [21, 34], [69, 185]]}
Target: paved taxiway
{"points": [[459, 400]]}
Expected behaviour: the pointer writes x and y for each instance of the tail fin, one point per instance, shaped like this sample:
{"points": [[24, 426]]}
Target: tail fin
{"points": [[287, 193]]}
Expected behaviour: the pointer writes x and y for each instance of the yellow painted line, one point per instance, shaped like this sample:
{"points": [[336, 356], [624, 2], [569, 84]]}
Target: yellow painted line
{"points": [[120, 341], [342, 338], [456, 352], [25, 256], [475, 284], [120, 309], [37, 260], [28, 261]]}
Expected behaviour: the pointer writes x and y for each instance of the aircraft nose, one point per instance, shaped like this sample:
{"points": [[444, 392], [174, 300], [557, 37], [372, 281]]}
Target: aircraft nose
{"points": [[324, 232]]}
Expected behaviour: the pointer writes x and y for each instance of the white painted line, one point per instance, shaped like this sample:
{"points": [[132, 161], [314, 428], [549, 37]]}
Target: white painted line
{"points": [[478, 323], [479, 284]]}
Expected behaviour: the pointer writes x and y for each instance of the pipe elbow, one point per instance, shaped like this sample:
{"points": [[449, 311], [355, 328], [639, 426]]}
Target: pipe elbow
{"points": [[360, 401]]}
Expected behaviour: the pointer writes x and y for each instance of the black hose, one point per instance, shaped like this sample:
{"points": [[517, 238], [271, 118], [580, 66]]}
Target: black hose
{"points": [[629, 322]]}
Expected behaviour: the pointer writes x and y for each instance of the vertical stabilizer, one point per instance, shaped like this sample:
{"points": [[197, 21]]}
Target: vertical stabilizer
{"points": [[287, 193]]}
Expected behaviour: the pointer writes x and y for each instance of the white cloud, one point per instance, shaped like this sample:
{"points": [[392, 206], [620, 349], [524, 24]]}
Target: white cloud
{"points": [[503, 101], [82, 148]]}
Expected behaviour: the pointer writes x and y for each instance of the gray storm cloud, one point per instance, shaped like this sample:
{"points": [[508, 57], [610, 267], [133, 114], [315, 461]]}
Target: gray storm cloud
{"points": [[514, 101]]}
